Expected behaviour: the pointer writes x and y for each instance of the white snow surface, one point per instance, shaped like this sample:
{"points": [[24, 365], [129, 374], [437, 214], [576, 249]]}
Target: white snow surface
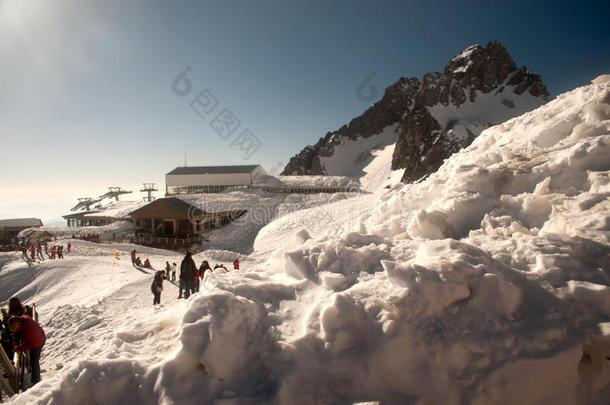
{"points": [[351, 156], [486, 283]]}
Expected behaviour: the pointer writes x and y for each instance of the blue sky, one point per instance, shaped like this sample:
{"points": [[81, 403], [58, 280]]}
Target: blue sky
{"points": [[86, 96]]}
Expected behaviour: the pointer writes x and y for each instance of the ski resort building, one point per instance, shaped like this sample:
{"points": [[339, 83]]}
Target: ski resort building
{"points": [[10, 228], [167, 222], [113, 212], [211, 179], [307, 184]]}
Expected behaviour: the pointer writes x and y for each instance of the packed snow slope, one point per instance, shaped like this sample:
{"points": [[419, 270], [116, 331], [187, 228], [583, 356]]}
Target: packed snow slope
{"points": [[486, 283]]}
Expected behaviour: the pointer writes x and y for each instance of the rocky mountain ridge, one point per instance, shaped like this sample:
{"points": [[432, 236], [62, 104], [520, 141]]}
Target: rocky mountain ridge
{"points": [[436, 116]]}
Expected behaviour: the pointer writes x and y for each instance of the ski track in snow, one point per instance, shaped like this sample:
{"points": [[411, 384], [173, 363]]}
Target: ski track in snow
{"points": [[483, 284]]}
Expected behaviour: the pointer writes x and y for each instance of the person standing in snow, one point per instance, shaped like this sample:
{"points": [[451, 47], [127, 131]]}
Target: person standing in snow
{"points": [[60, 252], [69, 247], [46, 248], [53, 250], [157, 286], [133, 257], [168, 268], [188, 270], [39, 251], [7, 337], [33, 251], [174, 271], [32, 338], [236, 264]]}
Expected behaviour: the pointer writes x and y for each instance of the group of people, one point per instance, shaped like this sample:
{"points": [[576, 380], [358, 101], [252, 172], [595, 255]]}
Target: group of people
{"points": [[190, 276], [137, 261], [20, 332], [35, 250]]}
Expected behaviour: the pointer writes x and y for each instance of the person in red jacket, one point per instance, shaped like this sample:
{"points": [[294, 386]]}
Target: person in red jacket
{"points": [[32, 338], [236, 264]]}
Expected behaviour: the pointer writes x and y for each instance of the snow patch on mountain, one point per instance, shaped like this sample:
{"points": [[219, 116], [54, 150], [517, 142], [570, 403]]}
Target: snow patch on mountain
{"points": [[350, 156]]}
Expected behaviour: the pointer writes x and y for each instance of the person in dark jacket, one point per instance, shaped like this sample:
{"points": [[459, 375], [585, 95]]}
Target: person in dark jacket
{"points": [[32, 338], [157, 286], [168, 269], [188, 271], [7, 337]]}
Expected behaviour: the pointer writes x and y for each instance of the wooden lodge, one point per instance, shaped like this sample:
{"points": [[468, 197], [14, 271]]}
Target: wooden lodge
{"points": [[10, 228], [171, 222]]}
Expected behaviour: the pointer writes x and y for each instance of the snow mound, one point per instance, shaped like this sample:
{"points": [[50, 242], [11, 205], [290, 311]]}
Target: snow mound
{"points": [[486, 283]]}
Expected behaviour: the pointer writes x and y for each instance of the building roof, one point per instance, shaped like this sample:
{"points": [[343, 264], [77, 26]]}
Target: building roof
{"points": [[20, 222], [213, 169], [176, 203]]}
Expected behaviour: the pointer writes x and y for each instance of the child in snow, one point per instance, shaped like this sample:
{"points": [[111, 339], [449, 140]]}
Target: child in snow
{"points": [[60, 252], [147, 264], [157, 286], [133, 257], [53, 250], [138, 261], [236, 265], [168, 268], [69, 247], [173, 271], [39, 251]]}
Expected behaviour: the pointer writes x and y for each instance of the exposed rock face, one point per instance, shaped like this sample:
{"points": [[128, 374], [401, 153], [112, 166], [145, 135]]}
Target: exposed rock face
{"points": [[397, 99], [478, 88], [437, 126]]}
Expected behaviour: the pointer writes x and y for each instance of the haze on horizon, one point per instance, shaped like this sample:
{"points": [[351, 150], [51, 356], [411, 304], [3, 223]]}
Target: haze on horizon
{"points": [[87, 98]]}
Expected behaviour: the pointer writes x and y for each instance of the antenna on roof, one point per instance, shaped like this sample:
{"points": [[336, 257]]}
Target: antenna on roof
{"points": [[149, 188]]}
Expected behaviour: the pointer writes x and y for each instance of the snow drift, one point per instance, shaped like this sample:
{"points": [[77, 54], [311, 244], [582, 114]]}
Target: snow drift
{"points": [[487, 283]]}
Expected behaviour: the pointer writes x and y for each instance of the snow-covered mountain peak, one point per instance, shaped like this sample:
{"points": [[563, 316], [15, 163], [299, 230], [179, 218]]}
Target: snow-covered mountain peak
{"points": [[428, 119]]}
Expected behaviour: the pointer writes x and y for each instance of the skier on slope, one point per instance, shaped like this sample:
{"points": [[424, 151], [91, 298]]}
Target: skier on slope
{"points": [[39, 251]]}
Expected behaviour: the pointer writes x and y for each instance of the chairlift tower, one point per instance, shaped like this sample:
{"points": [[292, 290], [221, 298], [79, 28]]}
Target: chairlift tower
{"points": [[84, 202], [114, 192], [149, 188]]}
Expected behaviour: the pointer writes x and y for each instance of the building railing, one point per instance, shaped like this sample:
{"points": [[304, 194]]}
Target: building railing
{"points": [[166, 241]]}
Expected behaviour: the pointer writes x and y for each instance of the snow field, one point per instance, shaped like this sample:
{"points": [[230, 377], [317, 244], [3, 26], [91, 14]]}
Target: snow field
{"points": [[486, 283]]}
